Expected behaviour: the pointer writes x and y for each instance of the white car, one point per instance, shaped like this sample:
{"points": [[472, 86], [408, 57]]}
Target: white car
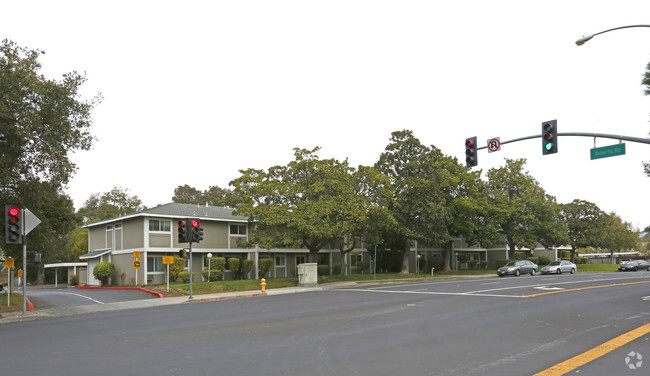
{"points": [[559, 267]]}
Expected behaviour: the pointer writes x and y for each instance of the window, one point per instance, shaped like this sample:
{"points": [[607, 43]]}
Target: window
{"points": [[155, 265], [159, 225], [280, 260], [238, 229]]}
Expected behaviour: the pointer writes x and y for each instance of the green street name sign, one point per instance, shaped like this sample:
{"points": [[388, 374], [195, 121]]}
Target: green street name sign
{"points": [[608, 151]]}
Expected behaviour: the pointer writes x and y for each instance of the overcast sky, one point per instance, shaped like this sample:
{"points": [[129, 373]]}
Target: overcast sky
{"points": [[195, 91]]}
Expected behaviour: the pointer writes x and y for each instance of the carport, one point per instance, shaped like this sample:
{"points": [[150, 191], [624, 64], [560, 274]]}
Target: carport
{"points": [[72, 268]]}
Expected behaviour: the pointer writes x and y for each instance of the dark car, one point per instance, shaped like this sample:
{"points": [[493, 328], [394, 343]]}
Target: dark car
{"points": [[634, 265], [517, 268]]}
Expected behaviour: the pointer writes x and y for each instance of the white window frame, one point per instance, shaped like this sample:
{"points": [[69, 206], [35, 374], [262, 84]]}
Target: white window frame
{"points": [[160, 222]]}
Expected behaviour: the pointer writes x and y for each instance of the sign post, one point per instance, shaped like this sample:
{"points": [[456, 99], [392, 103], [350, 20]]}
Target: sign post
{"points": [[168, 260], [136, 265]]}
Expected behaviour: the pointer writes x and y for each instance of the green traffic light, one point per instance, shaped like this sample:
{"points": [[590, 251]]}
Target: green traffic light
{"points": [[548, 145]]}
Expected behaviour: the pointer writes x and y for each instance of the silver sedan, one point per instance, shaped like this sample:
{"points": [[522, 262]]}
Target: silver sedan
{"points": [[559, 267]]}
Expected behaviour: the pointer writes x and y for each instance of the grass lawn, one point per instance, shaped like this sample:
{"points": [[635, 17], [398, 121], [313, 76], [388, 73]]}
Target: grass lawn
{"points": [[16, 303], [594, 268]]}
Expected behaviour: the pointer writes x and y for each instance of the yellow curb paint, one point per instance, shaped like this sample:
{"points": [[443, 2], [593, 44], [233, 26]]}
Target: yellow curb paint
{"points": [[582, 288], [598, 351]]}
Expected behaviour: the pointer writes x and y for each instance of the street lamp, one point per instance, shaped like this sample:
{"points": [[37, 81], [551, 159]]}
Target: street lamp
{"points": [[584, 39], [209, 257]]}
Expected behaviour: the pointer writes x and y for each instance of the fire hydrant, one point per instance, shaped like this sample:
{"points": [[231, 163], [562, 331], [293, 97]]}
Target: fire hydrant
{"points": [[263, 285]]}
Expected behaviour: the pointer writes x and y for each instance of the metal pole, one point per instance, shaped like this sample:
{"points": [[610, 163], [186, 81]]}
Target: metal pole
{"points": [[167, 277], [24, 272], [191, 276], [375, 263]]}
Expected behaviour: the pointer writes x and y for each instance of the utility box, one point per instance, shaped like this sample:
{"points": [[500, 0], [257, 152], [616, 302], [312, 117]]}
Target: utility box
{"points": [[308, 274]]}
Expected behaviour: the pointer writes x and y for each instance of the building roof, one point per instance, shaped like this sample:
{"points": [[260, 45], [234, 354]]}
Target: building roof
{"points": [[176, 210], [95, 254]]}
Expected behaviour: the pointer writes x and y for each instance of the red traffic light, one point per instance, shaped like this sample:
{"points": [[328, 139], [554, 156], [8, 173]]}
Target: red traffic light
{"points": [[14, 211], [181, 223], [468, 143], [195, 223]]}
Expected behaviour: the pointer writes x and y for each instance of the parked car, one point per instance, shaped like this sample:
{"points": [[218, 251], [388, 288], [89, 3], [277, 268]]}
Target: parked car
{"points": [[634, 265], [559, 267], [517, 268]]}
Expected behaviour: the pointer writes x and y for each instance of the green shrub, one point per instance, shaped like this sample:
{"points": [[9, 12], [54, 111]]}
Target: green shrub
{"points": [[519, 255], [265, 266], [234, 266], [483, 264], [176, 268], [363, 266], [74, 280], [336, 268], [503, 262], [184, 276], [214, 275], [534, 260], [472, 264], [566, 255], [103, 271], [218, 263], [323, 269], [544, 260], [248, 266]]}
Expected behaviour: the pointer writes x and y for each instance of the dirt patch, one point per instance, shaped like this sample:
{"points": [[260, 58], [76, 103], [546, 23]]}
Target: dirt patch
{"points": [[163, 291]]}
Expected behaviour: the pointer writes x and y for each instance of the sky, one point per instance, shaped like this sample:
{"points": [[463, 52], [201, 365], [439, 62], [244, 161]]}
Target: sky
{"points": [[196, 91]]}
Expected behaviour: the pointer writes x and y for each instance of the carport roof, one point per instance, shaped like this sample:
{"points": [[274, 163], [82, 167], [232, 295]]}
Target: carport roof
{"points": [[95, 254]]}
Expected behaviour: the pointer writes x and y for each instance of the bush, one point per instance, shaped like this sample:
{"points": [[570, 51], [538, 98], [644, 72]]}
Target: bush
{"points": [[503, 262], [544, 260], [74, 280], [363, 266], [234, 266], [184, 276], [566, 255], [519, 255], [472, 264], [483, 264], [103, 271], [265, 266], [214, 275], [176, 268], [248, 266], [323, 269], [218, 263], [534, 260], [336, 268]]}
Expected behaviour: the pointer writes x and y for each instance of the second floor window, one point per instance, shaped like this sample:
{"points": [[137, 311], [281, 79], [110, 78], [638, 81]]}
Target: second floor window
{"points": [[237, 229], [159, 225]]}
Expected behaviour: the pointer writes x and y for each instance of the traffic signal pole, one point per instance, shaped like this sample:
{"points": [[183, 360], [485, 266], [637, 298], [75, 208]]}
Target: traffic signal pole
{"points": [[581, 134]]}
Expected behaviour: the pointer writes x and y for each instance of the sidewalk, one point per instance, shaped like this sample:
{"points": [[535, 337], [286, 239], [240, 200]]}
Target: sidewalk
{"points": [[157, 302]]}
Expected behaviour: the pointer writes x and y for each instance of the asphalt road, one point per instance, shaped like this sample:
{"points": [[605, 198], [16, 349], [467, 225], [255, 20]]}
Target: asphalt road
{"points": [[496, 326], [62, 297]]}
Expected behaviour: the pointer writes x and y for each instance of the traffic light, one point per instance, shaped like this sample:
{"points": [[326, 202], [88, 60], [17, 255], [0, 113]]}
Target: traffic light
{"points": [[182, 253], [197, 231], [182, 231], [14, 224], [549, 137], [471, 157]]}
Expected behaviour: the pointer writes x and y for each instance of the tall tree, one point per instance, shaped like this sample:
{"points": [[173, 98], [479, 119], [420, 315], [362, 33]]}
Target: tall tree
{"points": [[116, 202], [527, 215], [41, 120], [309, 202], [213, 196], [583, 220], [616, 234], [435, 199]]}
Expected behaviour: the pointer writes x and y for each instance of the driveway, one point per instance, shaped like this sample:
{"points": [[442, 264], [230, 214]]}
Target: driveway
{"points": [[63, 297]]}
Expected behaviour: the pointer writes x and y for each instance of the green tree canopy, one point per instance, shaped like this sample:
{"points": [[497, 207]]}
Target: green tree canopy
{"points": [[41, 120], [435, 199], [527, 215], [616, 234], [310, 202], [213, 196], [107, 205], [583, 220]]}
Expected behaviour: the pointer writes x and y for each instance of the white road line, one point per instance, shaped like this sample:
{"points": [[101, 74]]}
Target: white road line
{"points": [[85, 297]]}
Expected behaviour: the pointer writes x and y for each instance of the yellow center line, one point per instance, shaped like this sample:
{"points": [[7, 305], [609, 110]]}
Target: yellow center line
{"points": [[583, 288], [598, 351]]}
